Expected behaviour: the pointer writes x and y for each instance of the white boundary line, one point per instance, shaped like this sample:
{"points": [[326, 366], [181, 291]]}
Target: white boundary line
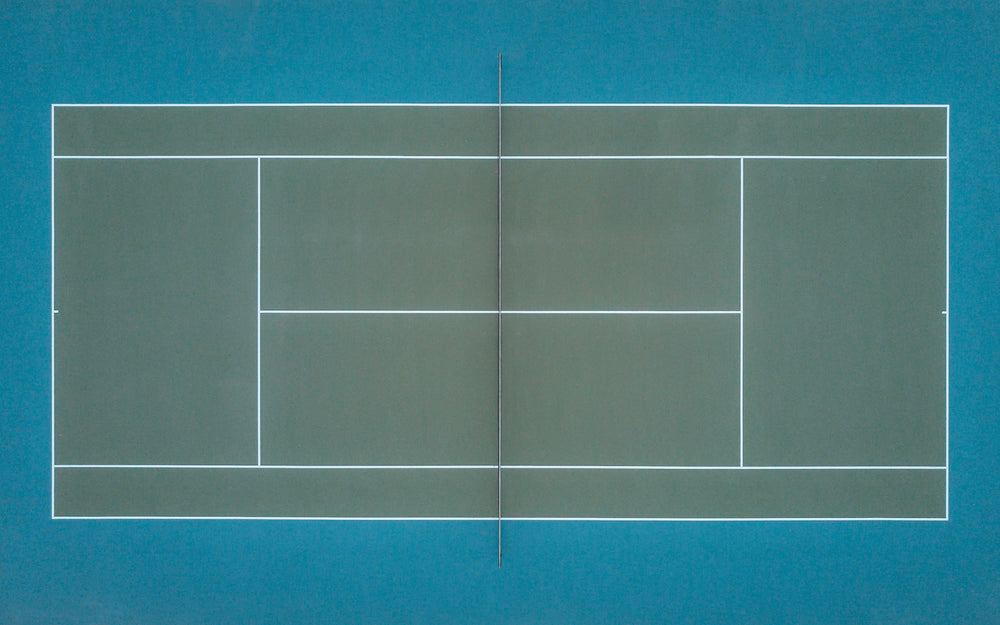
{"points": [[52, 309], [493, 519], [947, 317], [725, 105], [494, 104], [520, 467], [439, 157], [270, 518], [721, 519], [731, 467], [370, 157], [303, 467], [491, 105], [663, 157]]}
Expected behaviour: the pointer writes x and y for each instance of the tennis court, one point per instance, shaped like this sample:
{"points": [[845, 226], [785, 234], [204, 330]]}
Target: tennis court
{"points": [[500, 312]]}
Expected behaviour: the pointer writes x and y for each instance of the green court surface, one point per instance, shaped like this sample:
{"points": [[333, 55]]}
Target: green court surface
{"points": [[601, 312]]}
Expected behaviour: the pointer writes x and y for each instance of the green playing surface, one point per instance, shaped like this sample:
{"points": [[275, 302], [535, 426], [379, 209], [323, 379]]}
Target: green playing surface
{"points": [[632, 312]]}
